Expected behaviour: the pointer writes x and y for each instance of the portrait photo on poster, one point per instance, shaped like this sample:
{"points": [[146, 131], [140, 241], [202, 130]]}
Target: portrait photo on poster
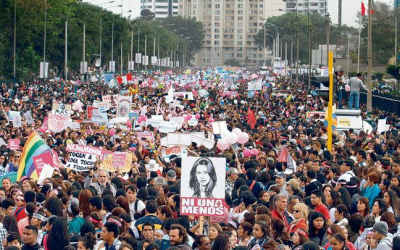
{"points": [[203, 177]]}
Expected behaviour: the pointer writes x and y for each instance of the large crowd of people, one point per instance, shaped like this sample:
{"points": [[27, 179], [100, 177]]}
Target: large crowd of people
{"points": [[346, 198]]}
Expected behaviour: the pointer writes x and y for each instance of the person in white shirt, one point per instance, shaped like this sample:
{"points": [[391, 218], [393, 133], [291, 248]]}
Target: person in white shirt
{"points": [[346, 168], [135, 205]]}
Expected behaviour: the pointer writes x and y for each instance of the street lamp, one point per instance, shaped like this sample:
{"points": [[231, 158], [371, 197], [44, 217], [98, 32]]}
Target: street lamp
{"points": [[66, 43]]}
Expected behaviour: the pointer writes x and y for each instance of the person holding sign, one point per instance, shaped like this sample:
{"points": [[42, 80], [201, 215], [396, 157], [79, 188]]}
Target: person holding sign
{"points": [[203, 178]]}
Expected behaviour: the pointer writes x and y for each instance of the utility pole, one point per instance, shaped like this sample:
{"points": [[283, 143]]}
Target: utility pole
{"points": [[395, 39], [340, 14], [286, 60], [264, 46], [297, 58], [369, 77], [309, 48], [15, 38], [291, 58], [328, 26]]}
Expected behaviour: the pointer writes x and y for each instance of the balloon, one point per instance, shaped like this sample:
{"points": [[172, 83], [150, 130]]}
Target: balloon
{"points": [[129, 124], [197, 116], [243, 138], [77, 106], [225, 134], [223, 144], [236, 131], [42, 129], [232, 138], [111, 132], [188, 117], [247, 152], [194, 92], [254, 151], [139, 120], [132, 149], [144, 118], [211, 119]]}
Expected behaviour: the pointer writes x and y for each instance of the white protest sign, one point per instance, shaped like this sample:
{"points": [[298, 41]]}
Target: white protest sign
{"points": [[28, 117], [203, 186], [381, 126], [255, 85], [179, 120], [167, 127], [193, 121], [176, 150], [17, 121], [179, 139], [124, 104], [74, 125], [200, 140], [154, 123], [102, 106], [81, 157], [58, 122]]}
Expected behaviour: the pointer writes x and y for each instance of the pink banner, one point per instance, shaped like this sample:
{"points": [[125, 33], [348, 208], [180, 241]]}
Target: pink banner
{"points": [[119, 159], [56, 161], [41, 160], [13, 144], [45, 124], [202, 206]]}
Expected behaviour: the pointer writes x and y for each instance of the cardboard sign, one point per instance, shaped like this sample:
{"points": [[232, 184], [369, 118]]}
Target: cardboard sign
{"points": [[57, 122], [103, 107], [147, 135], [119, 159], [133, 115], [203, 186], [176, 150], [40, 161], [28, 117], [82, 157], [89, 112], [167, 127], [107, 163], [13, 144]]}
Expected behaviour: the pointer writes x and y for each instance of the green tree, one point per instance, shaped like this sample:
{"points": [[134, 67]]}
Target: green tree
{"points": [[394, 71]]}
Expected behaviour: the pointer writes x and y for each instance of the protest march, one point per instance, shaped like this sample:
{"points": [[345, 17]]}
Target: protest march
{"points": [[217, 158]]}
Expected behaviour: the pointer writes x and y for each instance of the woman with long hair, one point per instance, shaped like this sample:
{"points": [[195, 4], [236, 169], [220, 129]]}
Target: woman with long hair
{"points": [[213, 231], [389, 218], [54, 206], [222, 242], [202, 242], [345, 197], [58, 236], [122, 201], [317, 227], [10, 224], [279, 233], [245, 230], [260, 234], [378, 209], [300, 214], [338, 242], [300, 236], [333, 200], [203, 178], [29, 209], [84, 204], [363, 206], [392, 202], [76, 222]]}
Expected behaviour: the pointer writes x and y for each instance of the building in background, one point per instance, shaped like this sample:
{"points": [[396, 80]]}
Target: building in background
{"points": [[230, 29], [396, 3], [161, 8], [303, 6]]}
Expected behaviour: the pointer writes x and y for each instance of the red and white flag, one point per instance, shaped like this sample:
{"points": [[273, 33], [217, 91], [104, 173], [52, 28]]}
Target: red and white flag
{"points": [[364, 9], [283, 155]]}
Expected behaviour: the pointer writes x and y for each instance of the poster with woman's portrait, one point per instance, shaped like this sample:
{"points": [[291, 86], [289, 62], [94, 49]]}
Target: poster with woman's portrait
{"points": [[124, 104], [203, 186]]}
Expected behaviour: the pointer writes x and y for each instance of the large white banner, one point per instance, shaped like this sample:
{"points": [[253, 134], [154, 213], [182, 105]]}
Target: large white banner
{"points": [[255, 85], [203, 186]]}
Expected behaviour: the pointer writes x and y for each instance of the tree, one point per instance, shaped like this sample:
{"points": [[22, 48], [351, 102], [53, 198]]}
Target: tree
{"points": [[147, 15], [233, 62], [394, 71]]}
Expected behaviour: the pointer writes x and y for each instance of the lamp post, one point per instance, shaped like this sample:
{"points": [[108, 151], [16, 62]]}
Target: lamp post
{"points": [[66, 44], [15, 38]]}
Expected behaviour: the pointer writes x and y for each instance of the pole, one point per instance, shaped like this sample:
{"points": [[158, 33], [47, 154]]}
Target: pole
{"points": [[340, 14], [286, 60], [66, 50], [264, 47], [101, 32], [395, 40], [330, 67], [145, 48], [291, 59], [138, 47], [359, 47], [45, 34], [348, 55], [131, 48], [369, 78], [297, 58], [112, 41], [15, 38], [122, 66], [309, 49], [327, 22], [83, 47]]}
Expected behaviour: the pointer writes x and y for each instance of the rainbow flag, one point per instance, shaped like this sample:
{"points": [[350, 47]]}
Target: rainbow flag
{"points": [[34, 146]]}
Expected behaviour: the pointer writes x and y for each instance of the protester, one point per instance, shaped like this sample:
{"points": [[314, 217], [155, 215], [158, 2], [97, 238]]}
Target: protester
{"points": [[119, 182]]}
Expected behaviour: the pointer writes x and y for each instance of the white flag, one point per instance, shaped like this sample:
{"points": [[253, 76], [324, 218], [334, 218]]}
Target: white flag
{"points": [[170, 97]]}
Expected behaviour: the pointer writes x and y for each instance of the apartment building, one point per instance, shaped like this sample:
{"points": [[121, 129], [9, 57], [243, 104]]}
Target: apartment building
{"points": [[162, 8], [305, 6]]}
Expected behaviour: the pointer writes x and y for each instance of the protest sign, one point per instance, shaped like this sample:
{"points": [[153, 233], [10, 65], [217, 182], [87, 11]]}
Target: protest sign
{"points": [[41, 160], [154, 123], [179, 120], [176, 150], [11, 115], [255, 85], [57, 122], [128, 163], [60, 109], [103, 107], [17, 121], [107, 163], [193, 121], [146, 135], [45, 124], [167, 127], [100, 118], [74, 125], [134, 115], [81, 157], [47, 172], [13, 144], [89, 112], [203, 186], [183, 95], [179, 139], [124, 104], [119, 159], [56, 162], [28, 117]]}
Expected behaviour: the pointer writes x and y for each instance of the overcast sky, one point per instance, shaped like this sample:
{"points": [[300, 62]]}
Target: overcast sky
{"points": [[350, 8]]}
